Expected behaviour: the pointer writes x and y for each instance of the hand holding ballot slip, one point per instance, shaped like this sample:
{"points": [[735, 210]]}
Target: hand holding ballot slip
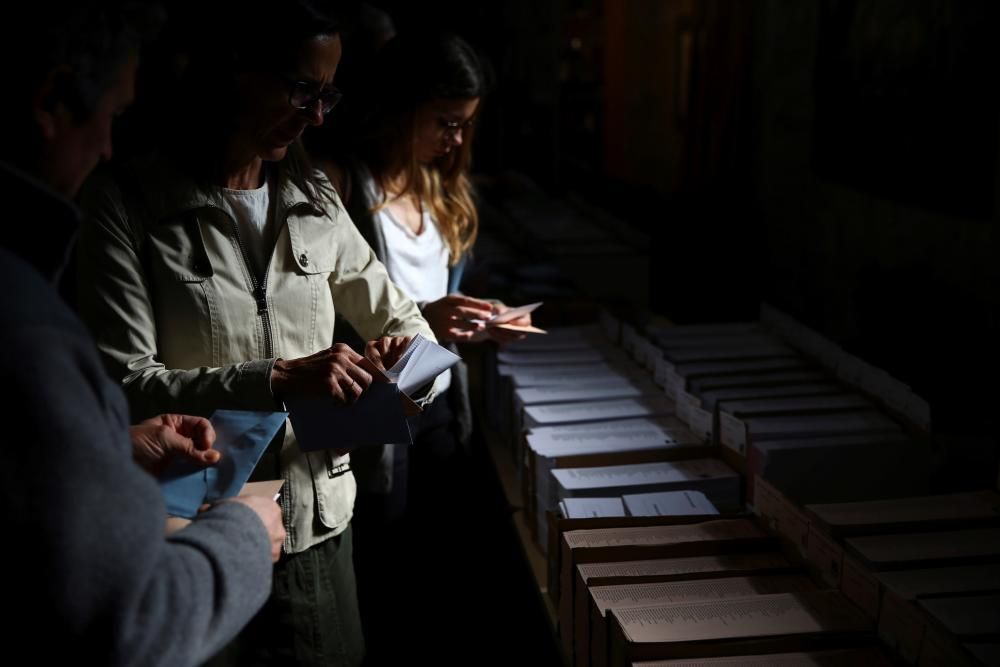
{"points": [[506, 321]]}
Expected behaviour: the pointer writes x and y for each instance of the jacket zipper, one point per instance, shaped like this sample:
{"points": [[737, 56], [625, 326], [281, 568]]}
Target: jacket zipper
{"points": [[258, 290]]}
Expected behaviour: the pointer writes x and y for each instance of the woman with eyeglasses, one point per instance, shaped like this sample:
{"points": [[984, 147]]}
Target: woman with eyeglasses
{"points": [[212, 272], [400, 161]]}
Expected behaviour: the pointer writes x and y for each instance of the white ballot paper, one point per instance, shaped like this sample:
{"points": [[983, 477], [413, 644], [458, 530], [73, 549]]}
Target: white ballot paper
{"points": [[423, 361], [668, 503]]}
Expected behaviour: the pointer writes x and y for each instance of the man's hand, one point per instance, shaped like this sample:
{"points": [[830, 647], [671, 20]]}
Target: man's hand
{"points": [[158, 441], [331, 372], [270, 515]]}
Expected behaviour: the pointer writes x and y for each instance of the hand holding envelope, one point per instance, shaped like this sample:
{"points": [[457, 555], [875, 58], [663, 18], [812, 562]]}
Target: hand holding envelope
{"points": [[380, 415], [241, 438]]}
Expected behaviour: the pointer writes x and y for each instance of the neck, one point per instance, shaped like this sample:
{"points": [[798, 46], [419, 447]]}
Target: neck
{"points": [[396, 185], [243, 172]]}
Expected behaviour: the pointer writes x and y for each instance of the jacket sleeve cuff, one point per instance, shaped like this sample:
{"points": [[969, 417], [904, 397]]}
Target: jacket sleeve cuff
{"points": [[255, 377]]}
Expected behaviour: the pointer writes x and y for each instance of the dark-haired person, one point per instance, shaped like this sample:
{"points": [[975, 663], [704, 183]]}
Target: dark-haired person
{"points": [[90, 574], [212, 273]]}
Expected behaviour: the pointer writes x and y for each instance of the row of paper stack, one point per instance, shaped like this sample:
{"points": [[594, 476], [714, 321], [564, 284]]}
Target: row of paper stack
{"points": [[599, 447], [622, 484], [700, 593], [925, 570], [586, 423], [787, 405]]}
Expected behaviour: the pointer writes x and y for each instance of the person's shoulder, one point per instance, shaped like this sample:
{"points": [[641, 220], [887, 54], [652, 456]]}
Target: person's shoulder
{"points": [[31, 300]]}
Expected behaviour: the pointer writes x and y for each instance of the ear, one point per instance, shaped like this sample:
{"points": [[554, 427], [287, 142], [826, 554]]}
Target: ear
{"points": [[48, 106]]}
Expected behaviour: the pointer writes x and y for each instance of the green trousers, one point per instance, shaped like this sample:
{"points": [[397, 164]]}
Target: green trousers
{"points": [[311, 618]]}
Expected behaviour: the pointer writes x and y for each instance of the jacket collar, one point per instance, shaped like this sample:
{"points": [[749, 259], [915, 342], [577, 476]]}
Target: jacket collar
{"points": [[170, 193]]}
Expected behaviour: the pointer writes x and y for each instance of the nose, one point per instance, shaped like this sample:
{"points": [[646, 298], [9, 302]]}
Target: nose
{"points": [[455, 138], [314, 114]]}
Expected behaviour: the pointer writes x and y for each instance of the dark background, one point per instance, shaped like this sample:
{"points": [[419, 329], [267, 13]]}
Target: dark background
{"points": [[836, 158]]}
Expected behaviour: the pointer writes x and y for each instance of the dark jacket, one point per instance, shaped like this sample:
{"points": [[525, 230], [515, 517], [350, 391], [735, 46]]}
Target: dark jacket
{"points": [[89, 571]]}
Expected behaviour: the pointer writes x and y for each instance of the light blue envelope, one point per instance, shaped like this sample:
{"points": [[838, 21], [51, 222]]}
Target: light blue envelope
{"points": [[241, 438]]}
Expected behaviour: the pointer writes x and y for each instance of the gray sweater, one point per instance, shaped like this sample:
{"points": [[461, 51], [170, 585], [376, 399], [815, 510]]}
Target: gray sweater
{"points": [[88, 573]]}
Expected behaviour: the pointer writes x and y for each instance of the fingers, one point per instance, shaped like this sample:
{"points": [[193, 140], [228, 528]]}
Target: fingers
{"points": [[199, 429], [270, 515], [345, 352], [384, 352], [504, 336], [463, 312], [349, 387], [469, 302], [458, 335]]}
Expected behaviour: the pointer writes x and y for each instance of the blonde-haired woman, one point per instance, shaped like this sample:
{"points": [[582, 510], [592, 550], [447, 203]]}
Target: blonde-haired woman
{"points": [[402, 172]]}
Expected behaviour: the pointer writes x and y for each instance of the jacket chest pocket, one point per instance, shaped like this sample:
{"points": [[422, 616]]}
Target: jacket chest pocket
{"points": [[178, 269], [313, 248]]}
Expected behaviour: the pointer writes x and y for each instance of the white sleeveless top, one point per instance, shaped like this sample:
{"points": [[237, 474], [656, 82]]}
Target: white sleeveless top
{"points": [[417, 263]]}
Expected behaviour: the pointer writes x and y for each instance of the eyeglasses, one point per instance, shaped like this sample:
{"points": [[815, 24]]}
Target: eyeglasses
{"points": [[302, 96], [451, 127]]}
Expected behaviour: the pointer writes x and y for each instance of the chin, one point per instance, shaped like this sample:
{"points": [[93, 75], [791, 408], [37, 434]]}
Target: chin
{"points": [[276, 154]]}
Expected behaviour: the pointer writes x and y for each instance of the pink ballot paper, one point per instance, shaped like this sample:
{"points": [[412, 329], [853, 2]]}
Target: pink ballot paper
{"points": [[504, 319]]}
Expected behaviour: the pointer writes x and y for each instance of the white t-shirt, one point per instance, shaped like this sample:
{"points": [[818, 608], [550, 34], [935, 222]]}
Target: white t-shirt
{"points": [[417, 263], [250, 208]]}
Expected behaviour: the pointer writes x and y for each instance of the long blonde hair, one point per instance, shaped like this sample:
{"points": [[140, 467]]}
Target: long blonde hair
{"points": [[410, 73]]}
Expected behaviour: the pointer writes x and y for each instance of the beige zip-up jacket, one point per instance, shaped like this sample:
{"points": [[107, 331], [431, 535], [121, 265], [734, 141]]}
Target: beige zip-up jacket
{"points": [[180, 318]]}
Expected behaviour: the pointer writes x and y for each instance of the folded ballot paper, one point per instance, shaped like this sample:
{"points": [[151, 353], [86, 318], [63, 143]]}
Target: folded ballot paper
{"points": [[504, 319], [381, 415], [241, 438]]}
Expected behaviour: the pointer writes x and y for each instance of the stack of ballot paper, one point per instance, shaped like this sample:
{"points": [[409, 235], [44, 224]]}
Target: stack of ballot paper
{"points": [[595, 411], [575, 374], [704, 384], [380, 415], [562, 338], [719, 482], [549, 447], [643, 543], [592, 632], [901, 623], [896, 515], [660, 570], [847, 657], [681, 376], [914, 550], [584, 508], [589, 392], [668, 503], [813, 469], [241, 438], [787, 621]]}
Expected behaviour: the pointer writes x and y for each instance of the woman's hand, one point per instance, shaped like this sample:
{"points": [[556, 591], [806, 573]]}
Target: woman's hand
{"points": [[456, 318], [386, 351], [503, 336], [331, 372]]}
